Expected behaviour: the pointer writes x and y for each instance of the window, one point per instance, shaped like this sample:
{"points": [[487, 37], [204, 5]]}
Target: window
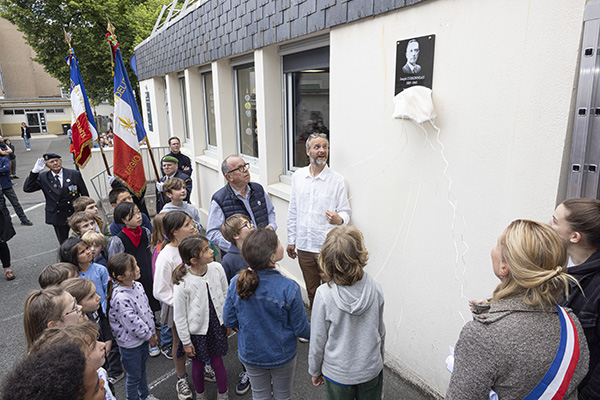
{"points": [[149, 111], [19, 112], [8, 112], [186, 132], [59, 110], [49, 110], [245, 89], [209, 109], [307, 101]]}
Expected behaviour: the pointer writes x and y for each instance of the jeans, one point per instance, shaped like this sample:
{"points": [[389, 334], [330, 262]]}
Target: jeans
{"points": [[27, 141], [166, 336], [363, 391], [14, 200], [277, 380], [134, 362]]}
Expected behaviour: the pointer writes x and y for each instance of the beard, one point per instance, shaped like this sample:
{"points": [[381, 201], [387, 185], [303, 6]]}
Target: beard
{"points": [[315, 161]]}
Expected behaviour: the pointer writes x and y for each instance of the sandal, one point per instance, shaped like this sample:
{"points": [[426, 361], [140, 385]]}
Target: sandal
{"points": [[9, 275]]}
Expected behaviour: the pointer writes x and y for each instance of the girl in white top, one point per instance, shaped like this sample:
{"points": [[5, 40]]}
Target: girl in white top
{"points": [[177, 226], [198, 299]]}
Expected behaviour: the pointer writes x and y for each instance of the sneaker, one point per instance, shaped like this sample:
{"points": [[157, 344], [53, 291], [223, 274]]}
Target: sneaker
{"points": [[27, 223], [28, 149], [209, 374], [15, 177], [167, 351], [201, 396], [183, 389], [151, 397], [222, 396], [303, 340], [243, 385], [117, 378], [154, 351]]}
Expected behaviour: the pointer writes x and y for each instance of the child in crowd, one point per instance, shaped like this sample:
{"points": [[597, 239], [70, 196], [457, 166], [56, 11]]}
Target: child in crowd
{"points": [[119, 195], [176, 192], [55, 274], [80, 222], [156, 241], [198, 298], [81, 333], [177, 226], [267, 309], [12, 157], [97, 242], [87, 204], [48, 308], [347, 330], [84, 292], [132, 322], [135, 240], [234, 230], [76, 251], [57, 373]]}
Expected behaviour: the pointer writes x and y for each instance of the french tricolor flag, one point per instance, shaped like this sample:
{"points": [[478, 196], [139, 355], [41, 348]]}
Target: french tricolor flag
{"points": [[83, 125], [128, 132]]}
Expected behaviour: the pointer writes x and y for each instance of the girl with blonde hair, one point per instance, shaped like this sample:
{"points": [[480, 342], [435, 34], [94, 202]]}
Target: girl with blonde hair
{"points": [[521, 335]]}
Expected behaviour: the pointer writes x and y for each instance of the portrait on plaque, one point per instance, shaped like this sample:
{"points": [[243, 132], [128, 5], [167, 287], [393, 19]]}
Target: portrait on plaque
{"points": [[414, 62]]}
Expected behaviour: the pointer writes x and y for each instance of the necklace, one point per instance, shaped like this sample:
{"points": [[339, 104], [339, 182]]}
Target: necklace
{"points": [[197, 273]]}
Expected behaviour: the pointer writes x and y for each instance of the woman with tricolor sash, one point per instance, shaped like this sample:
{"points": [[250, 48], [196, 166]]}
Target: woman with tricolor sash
{"points": [[577, 222], [521, 344]]}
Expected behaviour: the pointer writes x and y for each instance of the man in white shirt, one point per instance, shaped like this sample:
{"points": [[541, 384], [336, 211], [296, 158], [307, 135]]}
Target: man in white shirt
{"points": [[318, 202]]}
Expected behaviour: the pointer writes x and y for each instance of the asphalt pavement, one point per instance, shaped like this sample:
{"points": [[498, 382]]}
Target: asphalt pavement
{"points": [[36, 246]]}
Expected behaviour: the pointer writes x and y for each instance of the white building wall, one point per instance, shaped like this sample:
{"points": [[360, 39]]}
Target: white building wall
{"points": [[430, 203]]}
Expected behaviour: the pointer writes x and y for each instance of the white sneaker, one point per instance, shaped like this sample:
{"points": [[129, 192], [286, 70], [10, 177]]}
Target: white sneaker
{"points": [[209, 374], [28, 149], [151, 397], [222, 396], [154, 351], [201, 396]]}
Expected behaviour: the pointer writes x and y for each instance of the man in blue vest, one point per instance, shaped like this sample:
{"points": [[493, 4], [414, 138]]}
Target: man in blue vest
{"points": [[238, 196]]}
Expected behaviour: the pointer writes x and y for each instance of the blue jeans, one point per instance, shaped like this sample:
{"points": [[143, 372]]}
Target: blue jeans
{"points": [[27, 142], [134, 362], [166, 336]]}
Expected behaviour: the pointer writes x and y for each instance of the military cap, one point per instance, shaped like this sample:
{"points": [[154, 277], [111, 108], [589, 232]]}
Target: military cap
{"points": [[50, 156]]}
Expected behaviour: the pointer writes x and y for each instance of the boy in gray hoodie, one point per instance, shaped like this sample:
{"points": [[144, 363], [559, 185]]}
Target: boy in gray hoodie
{"points": [[347, 329]]}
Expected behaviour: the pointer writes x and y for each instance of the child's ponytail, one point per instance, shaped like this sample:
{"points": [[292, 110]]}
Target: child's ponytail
{"points": [[257, 250], [179, 273]]}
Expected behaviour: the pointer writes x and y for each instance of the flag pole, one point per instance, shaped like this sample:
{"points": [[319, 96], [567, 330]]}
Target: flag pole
{"points": [[162, 195]]}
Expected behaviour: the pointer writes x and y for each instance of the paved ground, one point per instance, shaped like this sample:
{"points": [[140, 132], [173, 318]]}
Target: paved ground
{"points": [[35, 247]]}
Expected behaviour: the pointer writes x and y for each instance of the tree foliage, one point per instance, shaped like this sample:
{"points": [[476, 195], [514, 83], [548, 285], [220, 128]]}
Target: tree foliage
{"points": [[42, 24]]}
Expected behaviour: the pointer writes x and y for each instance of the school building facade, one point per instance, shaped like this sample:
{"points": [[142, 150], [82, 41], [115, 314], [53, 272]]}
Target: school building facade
{"points": [[255, 77]]}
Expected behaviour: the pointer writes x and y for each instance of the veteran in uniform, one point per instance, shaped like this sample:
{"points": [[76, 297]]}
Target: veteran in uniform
{"points": [[60, 187]]}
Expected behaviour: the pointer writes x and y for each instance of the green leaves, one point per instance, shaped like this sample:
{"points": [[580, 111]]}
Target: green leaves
{"points": [[42, 24]]}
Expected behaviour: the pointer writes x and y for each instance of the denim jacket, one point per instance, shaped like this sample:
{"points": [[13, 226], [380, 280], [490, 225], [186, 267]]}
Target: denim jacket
{"points": [[269, 322]]}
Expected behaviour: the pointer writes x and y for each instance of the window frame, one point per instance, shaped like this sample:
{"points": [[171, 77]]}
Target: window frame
{"points": [[235, 68], [288, 94], [205, 100]]}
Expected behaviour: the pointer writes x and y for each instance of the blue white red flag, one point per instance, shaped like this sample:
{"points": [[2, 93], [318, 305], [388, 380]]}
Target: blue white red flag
{"points": [[128, 131], [83, 125], [556, 381]]}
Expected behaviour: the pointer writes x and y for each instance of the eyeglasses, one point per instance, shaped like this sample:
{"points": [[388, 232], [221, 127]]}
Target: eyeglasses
{"points": [[241, 168], [75, 307], [246, 224]]}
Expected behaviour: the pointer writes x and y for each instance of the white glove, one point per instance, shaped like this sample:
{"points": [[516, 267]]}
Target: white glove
{"points": [[110, 179], [39, 166], [159, 186]]}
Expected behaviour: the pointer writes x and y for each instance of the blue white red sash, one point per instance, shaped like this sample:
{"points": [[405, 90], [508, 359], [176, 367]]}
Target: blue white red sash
{"points": [[554, 384]]}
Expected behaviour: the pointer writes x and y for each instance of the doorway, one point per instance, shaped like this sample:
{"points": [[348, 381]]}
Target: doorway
{"points": [[36, 120]]}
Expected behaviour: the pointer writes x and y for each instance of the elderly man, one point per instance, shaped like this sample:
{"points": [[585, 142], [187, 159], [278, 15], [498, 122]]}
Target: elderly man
{"points": [[60, 187], [170, 170], [238, 196], [318, 202], [185, 164]]}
